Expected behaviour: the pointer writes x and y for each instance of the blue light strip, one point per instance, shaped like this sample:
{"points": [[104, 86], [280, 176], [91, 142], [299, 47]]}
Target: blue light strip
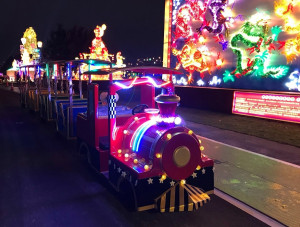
{"points": [[38, 70], [140, 133]]}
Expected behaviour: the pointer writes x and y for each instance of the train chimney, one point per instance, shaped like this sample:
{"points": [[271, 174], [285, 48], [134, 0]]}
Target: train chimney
{"points": [[167, 104]]}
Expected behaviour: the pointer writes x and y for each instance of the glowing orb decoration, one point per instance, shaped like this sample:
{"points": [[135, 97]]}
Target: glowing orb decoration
{"points": [[294, 83], [214, 81], [182, 81], [200, 82]]}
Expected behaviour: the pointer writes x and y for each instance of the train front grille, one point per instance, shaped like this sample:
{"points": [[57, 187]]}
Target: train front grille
{"points": [[181, 197]]}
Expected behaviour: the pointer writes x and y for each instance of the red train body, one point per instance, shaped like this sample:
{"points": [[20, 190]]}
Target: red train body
{"points": [[150, 156]]}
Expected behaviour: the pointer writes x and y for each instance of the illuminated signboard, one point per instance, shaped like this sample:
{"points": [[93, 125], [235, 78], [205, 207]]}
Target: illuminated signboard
{"points": [[267, 105]]}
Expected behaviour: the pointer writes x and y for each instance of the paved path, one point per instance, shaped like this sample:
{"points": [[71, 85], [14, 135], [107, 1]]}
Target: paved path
{"points": [[266, 184], [266, 178], [44, 183], [269, 148]]}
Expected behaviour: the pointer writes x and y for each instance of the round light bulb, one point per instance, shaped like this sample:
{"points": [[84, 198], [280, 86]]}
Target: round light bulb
{"points": [[177, 121], [198, 168], [158, 155], [190, 132], [201, 148], [119, 151], [146, 167], [219, 62], [135, 161], [39, 44], [182, 182], [169, 136]]}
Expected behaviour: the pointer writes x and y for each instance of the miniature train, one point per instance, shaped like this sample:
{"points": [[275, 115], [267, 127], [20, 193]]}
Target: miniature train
{"points": [[146, 153]]}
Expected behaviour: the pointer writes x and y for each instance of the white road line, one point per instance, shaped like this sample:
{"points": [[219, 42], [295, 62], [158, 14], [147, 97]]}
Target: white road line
{"points": [[254, 153], [253, 212]]}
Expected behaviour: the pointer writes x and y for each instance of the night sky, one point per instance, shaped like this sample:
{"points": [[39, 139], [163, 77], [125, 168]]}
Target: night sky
{"points": [[134, 27]]}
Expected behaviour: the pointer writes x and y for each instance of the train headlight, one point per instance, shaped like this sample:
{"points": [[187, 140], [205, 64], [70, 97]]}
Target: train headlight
{"points": [[181, 156], [177, 120]]}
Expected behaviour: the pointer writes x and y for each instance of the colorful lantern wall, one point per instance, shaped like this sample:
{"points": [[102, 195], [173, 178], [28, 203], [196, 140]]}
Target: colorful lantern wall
{"points": [[234, 43]]}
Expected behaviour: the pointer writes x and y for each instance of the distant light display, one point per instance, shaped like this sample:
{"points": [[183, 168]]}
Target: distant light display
{"points": [[99, 51], [245, 44], [30, 48]]}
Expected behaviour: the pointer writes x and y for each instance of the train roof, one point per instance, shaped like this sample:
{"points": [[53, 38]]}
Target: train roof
{"points": [[140, 69], [91, 61]]}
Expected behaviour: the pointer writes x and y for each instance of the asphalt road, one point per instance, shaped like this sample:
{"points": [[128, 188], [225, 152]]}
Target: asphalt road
{"points": [[43, 182]]}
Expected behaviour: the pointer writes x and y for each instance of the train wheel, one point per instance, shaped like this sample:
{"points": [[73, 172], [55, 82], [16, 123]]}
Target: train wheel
{"points": [[83, 150], [89, 158], [127, 195]]}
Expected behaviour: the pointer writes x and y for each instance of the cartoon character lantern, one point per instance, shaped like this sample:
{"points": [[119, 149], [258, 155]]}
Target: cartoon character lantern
{"points": [[98, 49]]}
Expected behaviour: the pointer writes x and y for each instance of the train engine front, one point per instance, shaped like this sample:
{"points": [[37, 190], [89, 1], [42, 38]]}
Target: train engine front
{"points": [[161, 160]]}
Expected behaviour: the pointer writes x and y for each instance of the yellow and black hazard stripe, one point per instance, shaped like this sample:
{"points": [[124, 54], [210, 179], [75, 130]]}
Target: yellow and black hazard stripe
{"points": [[181, 197]]}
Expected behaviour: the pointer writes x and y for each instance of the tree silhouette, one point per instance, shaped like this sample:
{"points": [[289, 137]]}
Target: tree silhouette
{"points": [[67, 44]]}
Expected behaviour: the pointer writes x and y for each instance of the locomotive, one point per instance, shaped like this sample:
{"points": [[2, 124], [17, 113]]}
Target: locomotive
{"points": [[146, 153]]}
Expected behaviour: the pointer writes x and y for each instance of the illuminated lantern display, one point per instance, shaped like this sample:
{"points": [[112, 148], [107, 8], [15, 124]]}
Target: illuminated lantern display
{"points": [[195, 55], [285, 10], [246, 44], [98, 48], [119, 60], [30, 50], [99, 51], [254, 35]]}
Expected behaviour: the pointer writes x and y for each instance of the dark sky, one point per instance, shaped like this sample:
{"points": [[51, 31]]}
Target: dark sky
{"points": [[134, 27]]}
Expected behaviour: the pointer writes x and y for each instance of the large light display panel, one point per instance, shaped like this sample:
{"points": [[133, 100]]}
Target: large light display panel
{"points": [[234, 43]]}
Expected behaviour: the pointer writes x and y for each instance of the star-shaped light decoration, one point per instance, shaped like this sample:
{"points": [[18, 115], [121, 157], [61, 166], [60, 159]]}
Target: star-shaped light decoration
{"points": [[119, 169], [172, 183], [194, 175], [123, 174], [161, 180], [150, 181], [203, 171]]}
